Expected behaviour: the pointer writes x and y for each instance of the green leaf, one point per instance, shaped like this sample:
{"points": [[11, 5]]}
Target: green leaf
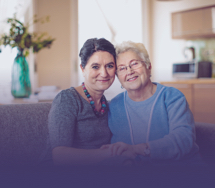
{"points": [[26, 53], [20, 37]]}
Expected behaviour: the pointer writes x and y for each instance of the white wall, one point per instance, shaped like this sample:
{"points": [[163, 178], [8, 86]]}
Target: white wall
{"points": [[165, 50]]}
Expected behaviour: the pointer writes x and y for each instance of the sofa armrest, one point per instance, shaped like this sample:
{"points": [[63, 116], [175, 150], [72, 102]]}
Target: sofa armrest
{"points": [[205, 138]]}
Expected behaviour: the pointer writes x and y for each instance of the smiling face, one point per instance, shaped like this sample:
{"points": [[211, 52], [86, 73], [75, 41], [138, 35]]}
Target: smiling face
{"points": [[99, 71], [136, 79]]}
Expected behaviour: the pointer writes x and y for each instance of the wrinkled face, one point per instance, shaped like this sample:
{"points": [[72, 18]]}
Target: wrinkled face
{"points": [[132, 79], [99, 71]]}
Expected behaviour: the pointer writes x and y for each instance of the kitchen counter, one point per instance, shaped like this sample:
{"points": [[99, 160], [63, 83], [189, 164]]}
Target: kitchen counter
{"points": [[191, 81]]}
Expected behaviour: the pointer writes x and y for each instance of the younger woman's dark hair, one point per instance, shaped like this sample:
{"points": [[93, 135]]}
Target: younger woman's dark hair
{"points": [[94, 45]]}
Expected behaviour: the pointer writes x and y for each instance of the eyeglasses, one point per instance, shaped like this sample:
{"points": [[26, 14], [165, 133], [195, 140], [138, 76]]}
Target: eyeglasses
{"points": [[135, 64]]}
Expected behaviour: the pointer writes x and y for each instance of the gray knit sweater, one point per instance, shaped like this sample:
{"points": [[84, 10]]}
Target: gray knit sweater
{"points": [[73, 123]]}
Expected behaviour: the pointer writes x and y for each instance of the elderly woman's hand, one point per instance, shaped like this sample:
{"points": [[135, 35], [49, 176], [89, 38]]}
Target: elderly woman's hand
{"points": [[131, 151], [120, 148]]}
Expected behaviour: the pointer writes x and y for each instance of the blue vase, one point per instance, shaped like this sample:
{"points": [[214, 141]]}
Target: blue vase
{"points": [[21, 85]]}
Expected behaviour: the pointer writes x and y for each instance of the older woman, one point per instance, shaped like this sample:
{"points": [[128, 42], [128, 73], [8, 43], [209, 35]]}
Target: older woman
{"points": [[148, 120], [78, 119]]}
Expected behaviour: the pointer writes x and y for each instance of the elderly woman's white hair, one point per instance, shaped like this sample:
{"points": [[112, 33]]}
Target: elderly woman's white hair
{"points": [[138, 48]]}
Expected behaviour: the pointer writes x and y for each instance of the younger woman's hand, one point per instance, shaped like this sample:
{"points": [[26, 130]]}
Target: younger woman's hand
{"points": [[120, 148]]}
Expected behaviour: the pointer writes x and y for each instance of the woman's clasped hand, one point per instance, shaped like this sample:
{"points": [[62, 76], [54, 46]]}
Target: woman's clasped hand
{"points": [[121, 148]]}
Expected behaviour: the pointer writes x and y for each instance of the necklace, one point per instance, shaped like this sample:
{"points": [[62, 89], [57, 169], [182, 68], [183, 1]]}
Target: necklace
{"points": [[92, 103]]}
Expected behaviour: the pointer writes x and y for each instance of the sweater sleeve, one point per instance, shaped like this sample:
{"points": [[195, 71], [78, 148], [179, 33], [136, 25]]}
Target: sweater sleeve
{"points": [[62, 119], [181, 138]]}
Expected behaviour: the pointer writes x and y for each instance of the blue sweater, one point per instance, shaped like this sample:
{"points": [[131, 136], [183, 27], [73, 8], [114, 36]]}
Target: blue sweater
{"points": [[170, 128]]}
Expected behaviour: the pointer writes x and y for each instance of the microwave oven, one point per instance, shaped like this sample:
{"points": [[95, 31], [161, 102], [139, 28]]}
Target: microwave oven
{"points": [[192, 69]]}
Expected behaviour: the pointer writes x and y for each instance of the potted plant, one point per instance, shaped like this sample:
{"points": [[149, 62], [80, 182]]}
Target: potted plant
{"points": [[24, 41]]}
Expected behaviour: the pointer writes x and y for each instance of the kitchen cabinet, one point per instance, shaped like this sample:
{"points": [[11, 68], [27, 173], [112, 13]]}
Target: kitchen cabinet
{"points": [[195, 23], [200, 95], [204, 105]]}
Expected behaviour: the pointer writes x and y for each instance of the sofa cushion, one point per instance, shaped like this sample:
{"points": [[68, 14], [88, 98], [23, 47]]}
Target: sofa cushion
{"points": [[23, 133]]}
